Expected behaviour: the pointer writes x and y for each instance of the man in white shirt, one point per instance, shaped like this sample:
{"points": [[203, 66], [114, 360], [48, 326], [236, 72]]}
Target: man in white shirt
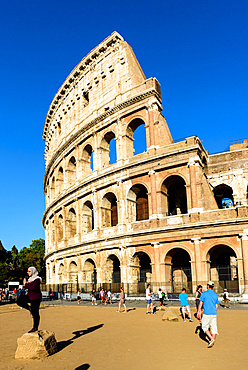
{"points": [[149, 299]]}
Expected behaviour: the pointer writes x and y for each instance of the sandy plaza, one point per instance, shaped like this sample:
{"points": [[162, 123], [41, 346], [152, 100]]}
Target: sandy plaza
{"points": [[95, 337]]}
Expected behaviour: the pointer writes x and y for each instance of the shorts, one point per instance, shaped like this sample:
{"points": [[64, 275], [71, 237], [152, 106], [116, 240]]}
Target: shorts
{"points": [[209, 320], [122, 301], [185, 308], [93, 298], [78, 298], [149, 301], [161, 300]]}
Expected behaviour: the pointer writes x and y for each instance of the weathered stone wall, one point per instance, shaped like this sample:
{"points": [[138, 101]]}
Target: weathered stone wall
{"points": [[104, 221]]}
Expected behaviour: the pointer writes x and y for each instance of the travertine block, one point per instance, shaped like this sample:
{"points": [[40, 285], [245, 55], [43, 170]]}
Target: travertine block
{"points": [[36, 345]]}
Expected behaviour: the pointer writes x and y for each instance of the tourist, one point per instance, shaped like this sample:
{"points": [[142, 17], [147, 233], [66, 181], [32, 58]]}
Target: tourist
{"points": [[161, 295], [102, 296], [93, 298], [210, 301], [149, 299], [184, 302], [50, 294], [105, 297], [31, 301], [122, 301], [79, 299], [226, 298], [109, 295], [197, 295]]}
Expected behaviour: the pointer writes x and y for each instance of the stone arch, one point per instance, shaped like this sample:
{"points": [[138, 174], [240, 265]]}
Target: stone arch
{"points": [[112, 269], [141, 267], [60, 180], [72, 170], [106, 156], [73, 272], [132, 148], [224, 196], [178, 273], [52, 187], [87, 217], [71, 227], [174, 197], [60, 227], [223, 267], [61, 273], [90, 271], [87, 159], [109, 211], [137, 203]]}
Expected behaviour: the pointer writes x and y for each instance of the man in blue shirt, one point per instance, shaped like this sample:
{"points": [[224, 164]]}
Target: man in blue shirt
{"points": [[184, 301], [209, 300]]}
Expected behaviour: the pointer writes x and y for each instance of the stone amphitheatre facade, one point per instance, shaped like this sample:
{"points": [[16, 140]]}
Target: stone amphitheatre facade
{"points": [[117, 217]]}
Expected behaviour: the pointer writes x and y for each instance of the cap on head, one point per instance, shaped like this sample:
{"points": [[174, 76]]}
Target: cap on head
{"points": [[210, 283]]}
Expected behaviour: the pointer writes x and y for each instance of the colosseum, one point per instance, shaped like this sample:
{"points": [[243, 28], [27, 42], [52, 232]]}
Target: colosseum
{"points": [[169, 213]]}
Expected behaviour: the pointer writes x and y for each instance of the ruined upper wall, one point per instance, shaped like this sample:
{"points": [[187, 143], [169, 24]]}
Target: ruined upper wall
{"points": [[104, 78]]}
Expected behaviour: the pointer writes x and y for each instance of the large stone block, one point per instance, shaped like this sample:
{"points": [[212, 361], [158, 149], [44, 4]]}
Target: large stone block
{"points": [[36, 345], [169, 315]]}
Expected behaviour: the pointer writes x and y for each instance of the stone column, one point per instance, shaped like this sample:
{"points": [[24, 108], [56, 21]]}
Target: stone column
{"points": [[192, 175], [198, 262], [153, 112], [153, 194], [156, 266], [244, 249]]}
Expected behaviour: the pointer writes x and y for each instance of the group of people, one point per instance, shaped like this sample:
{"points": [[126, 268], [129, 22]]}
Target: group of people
{"points": [[206, 303], [4, 294]]}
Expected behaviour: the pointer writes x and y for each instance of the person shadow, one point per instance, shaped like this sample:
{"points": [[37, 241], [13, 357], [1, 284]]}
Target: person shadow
{"points": [[83, 367], [131, 309], [77, 334], [202, 335]]}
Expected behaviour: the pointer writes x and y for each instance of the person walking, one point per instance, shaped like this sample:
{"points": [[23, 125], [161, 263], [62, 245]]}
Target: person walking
{"points": [[122, 301], [149, 299], [184, 302], [210, 302], [79, 299], [161, 295], [226, 298], [31, 301], [93, 298], [102, 293]]}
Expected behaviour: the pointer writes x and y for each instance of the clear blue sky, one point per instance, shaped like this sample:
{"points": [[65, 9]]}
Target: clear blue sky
{"points": [[198, 51]]}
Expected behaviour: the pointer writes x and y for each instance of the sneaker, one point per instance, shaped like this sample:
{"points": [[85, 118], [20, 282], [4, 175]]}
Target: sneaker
{"points": [[148, 313], [184, 320], [118, 311], [190, 320], [124, 311], [211, 343]]}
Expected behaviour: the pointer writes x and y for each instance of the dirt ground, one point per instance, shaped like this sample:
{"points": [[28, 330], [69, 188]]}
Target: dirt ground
{"points": [[98, 337]]}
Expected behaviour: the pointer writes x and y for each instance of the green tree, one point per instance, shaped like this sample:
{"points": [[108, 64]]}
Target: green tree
{"points": [[33, 256]]}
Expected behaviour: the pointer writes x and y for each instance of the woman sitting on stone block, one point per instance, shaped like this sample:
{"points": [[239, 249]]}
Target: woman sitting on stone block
{"points": [[32, 300]]}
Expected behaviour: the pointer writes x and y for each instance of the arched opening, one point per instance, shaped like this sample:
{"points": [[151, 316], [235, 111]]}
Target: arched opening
{"points": [[138, 208], [73, 273], [142, 269], [174, 198], [71, 223], [178, 271], [52, 187], [87, 158], [60, 228], [90, 273], [224, 196], [87, 217], [109, 210], [136, 137], [223, 268], [108, 150], [113, 272], [61, 273], [60, 180], [72, 170]]}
